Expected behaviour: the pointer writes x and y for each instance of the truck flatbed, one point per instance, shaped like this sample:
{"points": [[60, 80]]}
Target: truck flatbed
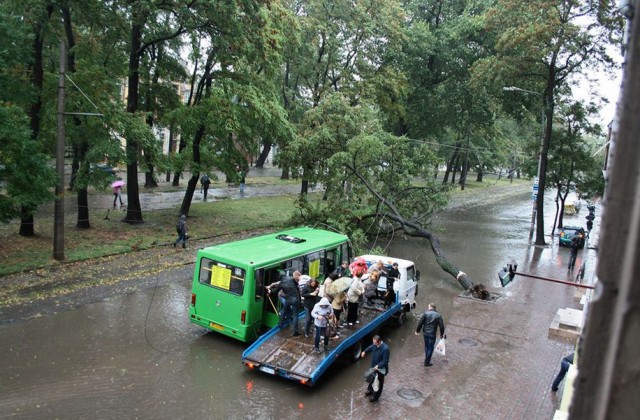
{"points": [[278, 353]]}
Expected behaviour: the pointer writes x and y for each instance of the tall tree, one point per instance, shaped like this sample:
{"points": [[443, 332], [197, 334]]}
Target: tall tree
{"points": [[540, 46]]}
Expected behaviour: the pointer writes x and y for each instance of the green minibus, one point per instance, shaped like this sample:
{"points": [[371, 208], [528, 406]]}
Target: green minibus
{"points": [[229, 293]]}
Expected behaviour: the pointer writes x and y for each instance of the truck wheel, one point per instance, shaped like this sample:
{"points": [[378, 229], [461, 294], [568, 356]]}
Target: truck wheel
{"points": [[401, 319]]}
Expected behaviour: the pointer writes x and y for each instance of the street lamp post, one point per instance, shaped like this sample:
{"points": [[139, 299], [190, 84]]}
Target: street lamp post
{"points": [[534, 196]]}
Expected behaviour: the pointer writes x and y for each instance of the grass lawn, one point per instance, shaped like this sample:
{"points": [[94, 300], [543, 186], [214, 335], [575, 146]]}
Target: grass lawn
{"points": [[112, 236]]}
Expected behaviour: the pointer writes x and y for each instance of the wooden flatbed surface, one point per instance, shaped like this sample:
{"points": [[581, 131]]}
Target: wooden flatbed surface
{"points": [[296, 355]]}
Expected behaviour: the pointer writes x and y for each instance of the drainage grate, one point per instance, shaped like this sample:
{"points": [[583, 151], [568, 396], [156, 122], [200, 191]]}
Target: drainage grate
{"points": [[409, 394], [468, 342]]}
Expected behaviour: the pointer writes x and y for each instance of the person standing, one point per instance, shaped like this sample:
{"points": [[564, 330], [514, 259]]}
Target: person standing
{"points": [[181, 228], [289, 286], [321, 313], [429, 323], [564, 367], [343, 270], [380, 365], [575, 245], [392, 275], [205, 182], [242, 178], [337, 303], [353, 296], [309, 294]]}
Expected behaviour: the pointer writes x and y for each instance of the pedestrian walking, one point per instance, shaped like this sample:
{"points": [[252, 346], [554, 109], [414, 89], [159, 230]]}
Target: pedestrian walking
{"points": [[429, 323], [573, 252], [321, 313], [380, 366], [242, 178], [205, 182], [564, 367], [181, 229], [117, 190], [289, 286]]}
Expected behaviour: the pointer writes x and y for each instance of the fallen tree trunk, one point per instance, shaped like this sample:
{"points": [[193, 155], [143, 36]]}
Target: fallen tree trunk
{"points": [[416, 230]]}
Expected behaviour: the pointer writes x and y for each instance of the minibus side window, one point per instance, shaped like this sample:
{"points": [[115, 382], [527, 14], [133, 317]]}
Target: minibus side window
{"points": [[222, 276], [259, 277]]}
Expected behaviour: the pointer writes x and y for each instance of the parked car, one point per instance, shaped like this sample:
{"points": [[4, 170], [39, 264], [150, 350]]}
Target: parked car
{"points": [[104, 168], [569, 232]]}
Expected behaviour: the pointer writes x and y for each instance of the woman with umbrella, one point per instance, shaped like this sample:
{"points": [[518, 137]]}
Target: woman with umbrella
{"points": [[336, 292], [117, 187]]}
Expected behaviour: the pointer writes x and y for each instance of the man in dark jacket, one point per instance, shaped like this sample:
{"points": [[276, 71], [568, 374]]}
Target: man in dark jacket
{"points": [[392, 275], [289, 287], [429, 323], [573, 252], [379, 363]]}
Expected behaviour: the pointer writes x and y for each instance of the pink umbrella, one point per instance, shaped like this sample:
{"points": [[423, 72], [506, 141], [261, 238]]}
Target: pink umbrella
{"points": [[117, 184]]}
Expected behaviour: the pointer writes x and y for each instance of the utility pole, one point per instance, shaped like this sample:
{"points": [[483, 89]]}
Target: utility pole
{"points": [[58, 219]]}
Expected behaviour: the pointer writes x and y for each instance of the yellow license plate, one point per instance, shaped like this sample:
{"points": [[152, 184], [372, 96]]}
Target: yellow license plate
{"points": [[216, 326]]}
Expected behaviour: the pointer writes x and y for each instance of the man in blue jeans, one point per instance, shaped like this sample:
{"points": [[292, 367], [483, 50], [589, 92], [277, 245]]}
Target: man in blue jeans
{"points": [[289, 286], [564, 367], [429, 323]]}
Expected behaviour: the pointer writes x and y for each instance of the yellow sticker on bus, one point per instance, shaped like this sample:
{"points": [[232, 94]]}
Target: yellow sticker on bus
{"points": [[314, 269], [220, 277]]}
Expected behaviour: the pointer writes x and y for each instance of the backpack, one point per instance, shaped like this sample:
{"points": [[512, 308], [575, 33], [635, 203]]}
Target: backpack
{"points": [[204, 179]]}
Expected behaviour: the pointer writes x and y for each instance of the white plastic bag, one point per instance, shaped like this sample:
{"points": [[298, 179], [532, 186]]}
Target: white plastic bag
{"points": [[376, 383], [440, 347]]}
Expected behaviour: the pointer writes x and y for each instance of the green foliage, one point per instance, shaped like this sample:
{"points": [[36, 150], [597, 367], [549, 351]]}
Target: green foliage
{"points": [[361, 156], [23, 169]]}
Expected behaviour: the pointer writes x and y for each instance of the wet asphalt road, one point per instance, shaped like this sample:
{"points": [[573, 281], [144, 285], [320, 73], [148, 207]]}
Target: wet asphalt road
{"points": [[137, 356]]}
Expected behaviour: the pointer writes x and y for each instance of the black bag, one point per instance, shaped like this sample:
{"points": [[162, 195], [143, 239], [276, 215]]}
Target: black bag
{"points": [[178, 228], [369, 375]]}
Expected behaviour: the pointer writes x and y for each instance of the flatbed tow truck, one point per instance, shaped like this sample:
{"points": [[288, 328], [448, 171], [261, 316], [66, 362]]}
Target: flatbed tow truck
{"points": [[278, 353]]}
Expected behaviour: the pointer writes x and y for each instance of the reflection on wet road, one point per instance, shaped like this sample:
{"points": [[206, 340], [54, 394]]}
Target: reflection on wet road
{"points": [[138, 355]]}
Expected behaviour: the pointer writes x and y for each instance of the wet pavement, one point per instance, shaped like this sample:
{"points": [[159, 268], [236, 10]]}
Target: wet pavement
{"points": [[153, 199], [137, 355]]}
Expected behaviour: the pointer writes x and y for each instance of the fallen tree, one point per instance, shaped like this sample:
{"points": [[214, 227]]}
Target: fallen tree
{"points": [[414, 229]]}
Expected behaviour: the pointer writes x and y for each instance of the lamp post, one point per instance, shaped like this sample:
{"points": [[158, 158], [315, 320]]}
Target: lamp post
{"points": [[535, 182]]}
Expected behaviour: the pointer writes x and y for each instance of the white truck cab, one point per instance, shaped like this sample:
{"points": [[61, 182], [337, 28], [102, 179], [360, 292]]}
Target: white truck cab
{"points": [[406, 287]]}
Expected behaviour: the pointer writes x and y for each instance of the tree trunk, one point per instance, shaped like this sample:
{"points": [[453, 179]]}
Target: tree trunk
{"points": [[455, 170], [555, 219], [480, 175], [285, 172], [450, 164], [37, 78], [134, 210], [83, 221], [266, 149], [193, 181]]}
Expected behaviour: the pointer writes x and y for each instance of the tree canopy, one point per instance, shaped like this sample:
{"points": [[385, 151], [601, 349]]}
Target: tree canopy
{"points": [[367, 99]]}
